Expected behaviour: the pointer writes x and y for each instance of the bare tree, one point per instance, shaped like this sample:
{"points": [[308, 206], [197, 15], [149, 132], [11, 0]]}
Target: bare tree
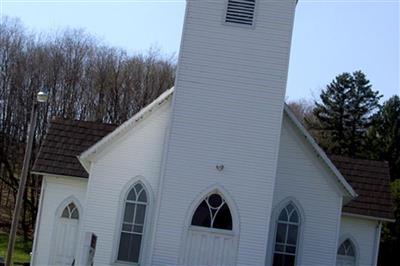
{"points": [[85, 80]]}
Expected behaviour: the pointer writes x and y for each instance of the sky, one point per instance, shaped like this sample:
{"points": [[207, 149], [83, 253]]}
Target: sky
{"points": [[330, 36]]}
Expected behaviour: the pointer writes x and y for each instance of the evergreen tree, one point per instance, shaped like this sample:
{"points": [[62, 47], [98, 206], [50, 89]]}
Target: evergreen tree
{"points": [[384, 144], [344, 113], [362, 101], [384, 135], [389, 250]]}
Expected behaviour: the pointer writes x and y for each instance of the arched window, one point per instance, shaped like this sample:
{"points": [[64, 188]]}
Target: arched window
{"points": [[213, 212], [346, 253], [70, 212], [133, 225], [286, 239]]}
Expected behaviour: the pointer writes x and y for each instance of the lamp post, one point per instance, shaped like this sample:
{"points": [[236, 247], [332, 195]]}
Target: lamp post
{"points": [[40, 98]]}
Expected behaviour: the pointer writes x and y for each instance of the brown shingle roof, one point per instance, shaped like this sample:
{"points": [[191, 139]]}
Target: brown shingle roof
{"points": [[370, 179], [67, 139]]}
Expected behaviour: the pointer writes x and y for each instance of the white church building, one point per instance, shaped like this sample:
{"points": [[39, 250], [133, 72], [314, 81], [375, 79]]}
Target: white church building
{"points": [[216, 171]]}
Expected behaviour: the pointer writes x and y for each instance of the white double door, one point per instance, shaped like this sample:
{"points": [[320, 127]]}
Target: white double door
{"points": [[345, 261], [209, 248], [65, 242]]}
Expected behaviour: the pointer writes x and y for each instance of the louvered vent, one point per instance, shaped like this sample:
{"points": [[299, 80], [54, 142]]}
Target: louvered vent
{"points": [[240, 12]]}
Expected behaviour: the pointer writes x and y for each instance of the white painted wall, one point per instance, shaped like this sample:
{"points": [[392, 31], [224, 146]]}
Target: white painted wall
{"points": [[363, 233], [228, 106], [55, 190], [302, 176], [138, 153]]}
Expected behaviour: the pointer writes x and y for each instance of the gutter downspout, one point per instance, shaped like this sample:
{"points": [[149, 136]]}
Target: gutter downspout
{"points": [[376, 244]]}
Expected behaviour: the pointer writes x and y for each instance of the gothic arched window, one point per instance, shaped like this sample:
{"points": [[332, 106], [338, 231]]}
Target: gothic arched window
{"points": [[286, 236], [133, 224], [70, 212], [346, 253], [213, 212]]}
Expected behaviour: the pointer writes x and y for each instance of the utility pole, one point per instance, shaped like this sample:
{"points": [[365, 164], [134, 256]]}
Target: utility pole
{"points": [[41, 98]]}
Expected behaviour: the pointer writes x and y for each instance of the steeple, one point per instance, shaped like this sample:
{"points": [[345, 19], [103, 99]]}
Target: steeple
{"points": [[226, 120]]}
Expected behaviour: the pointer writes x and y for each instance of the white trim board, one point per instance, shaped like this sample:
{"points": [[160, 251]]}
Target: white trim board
{"points": [[347, 214], [58, 176]]}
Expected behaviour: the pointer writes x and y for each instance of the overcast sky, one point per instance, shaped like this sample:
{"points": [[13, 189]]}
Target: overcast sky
{"points": [[330, 36]]}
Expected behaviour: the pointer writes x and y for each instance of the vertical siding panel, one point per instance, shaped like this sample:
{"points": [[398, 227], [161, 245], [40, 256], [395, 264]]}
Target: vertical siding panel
{"points": [[197, 247], [64, 234], [203, 246], [225, 248], [210, 247], [189, 245], [213, 250]]}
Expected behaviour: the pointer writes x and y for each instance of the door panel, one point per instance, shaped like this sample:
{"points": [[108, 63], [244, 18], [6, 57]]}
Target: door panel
{"points": [[345, 261], [209, 248], [65, 241]]}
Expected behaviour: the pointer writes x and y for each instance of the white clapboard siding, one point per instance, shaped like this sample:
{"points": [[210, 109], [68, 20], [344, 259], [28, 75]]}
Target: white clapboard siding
{"points": [[363, 233], [55, 191], [227, 109], [301, 175], [137, 154]]}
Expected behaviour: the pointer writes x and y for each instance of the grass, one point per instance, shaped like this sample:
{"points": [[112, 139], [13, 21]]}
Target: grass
{"points": [[21, 250]]}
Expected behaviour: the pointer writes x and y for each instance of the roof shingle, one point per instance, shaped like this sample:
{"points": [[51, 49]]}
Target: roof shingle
{"points": [[370, 179], [64, 141]]}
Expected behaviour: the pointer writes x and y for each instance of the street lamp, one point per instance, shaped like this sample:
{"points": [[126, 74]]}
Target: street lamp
{"points": [[41, 97]]}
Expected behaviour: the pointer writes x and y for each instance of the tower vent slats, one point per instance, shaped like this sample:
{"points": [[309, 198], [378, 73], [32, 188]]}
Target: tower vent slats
{"points": [[240, 12]]}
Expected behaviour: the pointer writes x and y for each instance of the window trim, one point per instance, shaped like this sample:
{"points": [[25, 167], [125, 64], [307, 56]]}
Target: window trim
{"points": [[147, 231], [211, 230], [229, 201], [70, 211], [65, 203], [215, 215], [274, 226]]}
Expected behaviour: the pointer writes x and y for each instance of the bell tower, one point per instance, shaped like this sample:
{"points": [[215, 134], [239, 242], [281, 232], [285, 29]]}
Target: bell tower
{"points": [[226, 121]]}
